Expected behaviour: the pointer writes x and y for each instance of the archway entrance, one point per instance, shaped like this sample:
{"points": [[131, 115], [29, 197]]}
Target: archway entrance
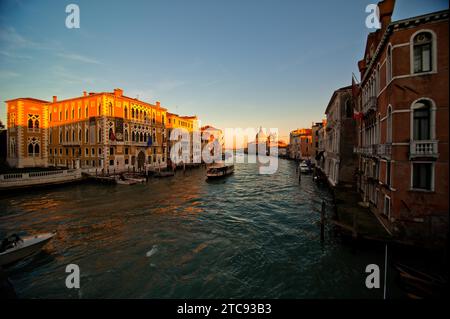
{"points": [[141, 160]]}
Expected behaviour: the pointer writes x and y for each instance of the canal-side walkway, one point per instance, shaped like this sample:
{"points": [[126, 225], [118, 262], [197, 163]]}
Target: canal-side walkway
{"points": [[356, 220]]}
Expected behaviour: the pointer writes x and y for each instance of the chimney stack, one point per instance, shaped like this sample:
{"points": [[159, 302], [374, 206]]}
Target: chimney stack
{"points": [[386, 8], [158, 104], [55, 98], [84, 93]]}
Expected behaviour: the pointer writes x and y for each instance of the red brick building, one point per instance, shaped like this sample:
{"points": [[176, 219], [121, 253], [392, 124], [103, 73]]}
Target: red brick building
{"points": [[403, 133]]}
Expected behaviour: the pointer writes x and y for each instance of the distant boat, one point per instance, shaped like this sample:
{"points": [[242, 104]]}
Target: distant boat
{"points": [[164, 174], [219, 170], [124, 179], [15, 248], [305, 168]]}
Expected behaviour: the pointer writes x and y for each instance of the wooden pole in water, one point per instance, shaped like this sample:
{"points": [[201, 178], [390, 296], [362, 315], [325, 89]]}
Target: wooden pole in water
{"points": [[322, 222]]}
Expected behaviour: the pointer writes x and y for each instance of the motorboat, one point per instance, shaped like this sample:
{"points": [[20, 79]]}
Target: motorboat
{"points": [[15, 248], [129, 180], [218, 170]]}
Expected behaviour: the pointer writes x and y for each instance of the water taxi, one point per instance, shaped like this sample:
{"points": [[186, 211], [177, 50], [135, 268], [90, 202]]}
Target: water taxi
{"points": [[218, 170]]}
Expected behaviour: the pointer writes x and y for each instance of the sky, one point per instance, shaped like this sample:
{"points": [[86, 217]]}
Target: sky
{"points": [[233, 63]]}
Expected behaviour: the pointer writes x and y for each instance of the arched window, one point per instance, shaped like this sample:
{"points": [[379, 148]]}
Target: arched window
{"points": [[422, 121], [30, 149], [423, 55], [125, 112], [30, 123], [133, 136], [36, 124], [67, 136], [132, 113], [99, 109], [86, 111], [86, 136], [389, 125], [110, 109], [36, 149], [99, 135], [79, 135], [389, 65], [126, 135]]}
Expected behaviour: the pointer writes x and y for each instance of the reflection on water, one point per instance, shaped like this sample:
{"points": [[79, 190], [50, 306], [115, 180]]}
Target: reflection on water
{"points": [[245, 236]]}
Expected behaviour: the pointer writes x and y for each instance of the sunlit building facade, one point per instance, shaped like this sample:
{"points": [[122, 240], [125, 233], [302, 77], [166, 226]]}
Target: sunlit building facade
{"points": [[107, 131], [190, 125]]}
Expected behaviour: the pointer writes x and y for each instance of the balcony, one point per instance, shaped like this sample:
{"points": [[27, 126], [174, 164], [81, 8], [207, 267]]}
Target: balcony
{"points": [[384, 150], [427, 148], [370, 105], [368, 150]]}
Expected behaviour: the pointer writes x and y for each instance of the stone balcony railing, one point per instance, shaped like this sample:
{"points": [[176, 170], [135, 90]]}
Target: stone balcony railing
{"points": [[427, 148], [371, 104], [384, 150], [368, 150]]}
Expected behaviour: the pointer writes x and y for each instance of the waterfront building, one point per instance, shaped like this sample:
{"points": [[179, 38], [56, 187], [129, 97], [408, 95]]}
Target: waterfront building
{"points": [[339, 138], [105, 130], [300, 144], [403, 123], [190, 124], [315, 127], [211, 135]]}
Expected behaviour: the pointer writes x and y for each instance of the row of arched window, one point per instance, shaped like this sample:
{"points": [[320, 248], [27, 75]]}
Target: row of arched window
{"points": [[422, 46]]}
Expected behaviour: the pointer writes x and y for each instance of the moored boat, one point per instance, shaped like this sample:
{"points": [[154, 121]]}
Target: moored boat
{"points": [[219, 170], [305, 168], [15, 248]]}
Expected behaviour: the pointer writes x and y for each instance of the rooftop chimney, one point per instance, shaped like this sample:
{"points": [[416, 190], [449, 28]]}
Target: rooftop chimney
{"points": [[118, 92], [55, 98], [158, 104], [386, 8], [84, 93]]}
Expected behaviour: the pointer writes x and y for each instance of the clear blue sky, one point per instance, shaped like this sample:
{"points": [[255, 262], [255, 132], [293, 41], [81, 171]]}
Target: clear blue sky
{"points": [[234, 63]]}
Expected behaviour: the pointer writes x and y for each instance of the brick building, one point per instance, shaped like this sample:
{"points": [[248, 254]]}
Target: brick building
{"points": [[403, 122]]}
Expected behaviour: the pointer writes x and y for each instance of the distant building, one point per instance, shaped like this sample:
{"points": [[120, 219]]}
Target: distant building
{"points": [[403, 123], [315, 139], [215, 136], [3, 143], [300, 144], [339, 138], [190, 124]]}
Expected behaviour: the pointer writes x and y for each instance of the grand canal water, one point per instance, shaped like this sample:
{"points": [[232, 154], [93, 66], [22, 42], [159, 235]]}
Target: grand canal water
{"points": [[247, 236]]}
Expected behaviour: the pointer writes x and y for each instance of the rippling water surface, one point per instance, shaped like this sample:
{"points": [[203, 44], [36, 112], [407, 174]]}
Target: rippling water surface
{"points": [[246, 236]]}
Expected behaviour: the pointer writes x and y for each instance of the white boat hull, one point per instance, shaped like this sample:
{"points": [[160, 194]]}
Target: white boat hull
{"points": [[29, 246]]}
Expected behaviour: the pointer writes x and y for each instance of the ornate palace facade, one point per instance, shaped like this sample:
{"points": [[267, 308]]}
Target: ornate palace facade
{"points": [[106, 130]]}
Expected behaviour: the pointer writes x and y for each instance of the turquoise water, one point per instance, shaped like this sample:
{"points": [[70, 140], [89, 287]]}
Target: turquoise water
{"points": [[246, 236]]}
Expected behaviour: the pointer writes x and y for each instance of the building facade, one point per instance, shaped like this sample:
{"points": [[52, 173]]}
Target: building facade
{"points": [[339, 138], [403, 122], [107, 131], [300, 144], [315, 127], [190, 125]]}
